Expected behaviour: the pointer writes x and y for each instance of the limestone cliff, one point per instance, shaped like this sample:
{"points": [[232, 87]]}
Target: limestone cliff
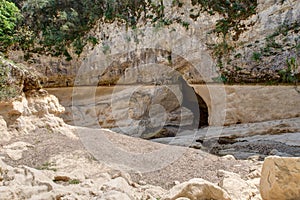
{"points": [[261, 46], [174, 43]]}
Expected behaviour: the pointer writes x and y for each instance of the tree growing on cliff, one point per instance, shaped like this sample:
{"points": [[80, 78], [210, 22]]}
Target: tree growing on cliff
{"points": [[9, 16]]}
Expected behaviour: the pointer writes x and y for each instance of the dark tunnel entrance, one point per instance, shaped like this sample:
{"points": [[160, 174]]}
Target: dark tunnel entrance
{"points": [[195, 103]]}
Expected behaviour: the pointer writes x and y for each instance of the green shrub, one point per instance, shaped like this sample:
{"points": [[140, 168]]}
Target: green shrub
{"points": [[9, 16], [256, 56], [288, 75], [74, 181], [55, 26], [7, 89], [185, 24], [220, 79]]}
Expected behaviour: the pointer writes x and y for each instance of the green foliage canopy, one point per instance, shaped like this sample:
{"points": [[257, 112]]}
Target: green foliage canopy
{"points": [[53, 26], [9, 16], [57, 25]]}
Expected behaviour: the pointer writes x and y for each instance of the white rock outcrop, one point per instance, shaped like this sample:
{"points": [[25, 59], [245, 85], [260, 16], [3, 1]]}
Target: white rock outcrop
{"points": [[28, 113], [28, 183]]}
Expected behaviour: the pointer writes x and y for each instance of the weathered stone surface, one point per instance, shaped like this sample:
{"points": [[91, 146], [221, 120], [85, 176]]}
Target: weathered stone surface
{"points": [[153, 192], [117, 184], [271, 37], [141, 111], [197, 189], [28, 183], [3, 130], [237, 188], [251, 140], [15, 150], [280, 178], [37, 109], [115, 195], [11, 110], [41, 103], [235, 104], [19, 76], [254, 184]]}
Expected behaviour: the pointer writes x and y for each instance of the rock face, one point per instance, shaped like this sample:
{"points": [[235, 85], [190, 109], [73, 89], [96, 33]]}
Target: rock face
{"points": [[258, 54], [30, 107], [249, 103], [3, 128], [269, 43], [262, 139], [280, 178], [227, 105], [142, 111]]}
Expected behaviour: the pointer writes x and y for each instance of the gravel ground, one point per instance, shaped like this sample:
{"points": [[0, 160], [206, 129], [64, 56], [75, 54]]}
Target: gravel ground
{"points": [[191, 163]]}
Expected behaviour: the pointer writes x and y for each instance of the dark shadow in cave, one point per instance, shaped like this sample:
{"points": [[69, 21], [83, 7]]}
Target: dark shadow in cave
{"points": [[191, 101], [195, 103]]}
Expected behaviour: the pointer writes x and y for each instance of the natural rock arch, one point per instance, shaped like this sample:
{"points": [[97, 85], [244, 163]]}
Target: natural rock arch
{"points": [[121, 65]]}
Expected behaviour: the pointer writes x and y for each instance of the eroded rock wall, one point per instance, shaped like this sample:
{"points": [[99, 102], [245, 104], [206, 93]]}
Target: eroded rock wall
{"points": [[112, 107], [249, 103], [141, 111]]}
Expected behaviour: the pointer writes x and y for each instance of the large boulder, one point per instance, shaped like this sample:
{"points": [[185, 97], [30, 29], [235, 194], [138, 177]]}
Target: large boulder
{"points": [[280, 178], [197, 189]]}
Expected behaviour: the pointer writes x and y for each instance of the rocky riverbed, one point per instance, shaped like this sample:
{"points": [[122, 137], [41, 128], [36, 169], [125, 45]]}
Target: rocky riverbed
{"points": [[277, 137], [43, 158], [49, 165]]}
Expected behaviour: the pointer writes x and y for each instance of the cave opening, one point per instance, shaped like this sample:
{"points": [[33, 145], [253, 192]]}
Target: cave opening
{"points": [[196, 104]]}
